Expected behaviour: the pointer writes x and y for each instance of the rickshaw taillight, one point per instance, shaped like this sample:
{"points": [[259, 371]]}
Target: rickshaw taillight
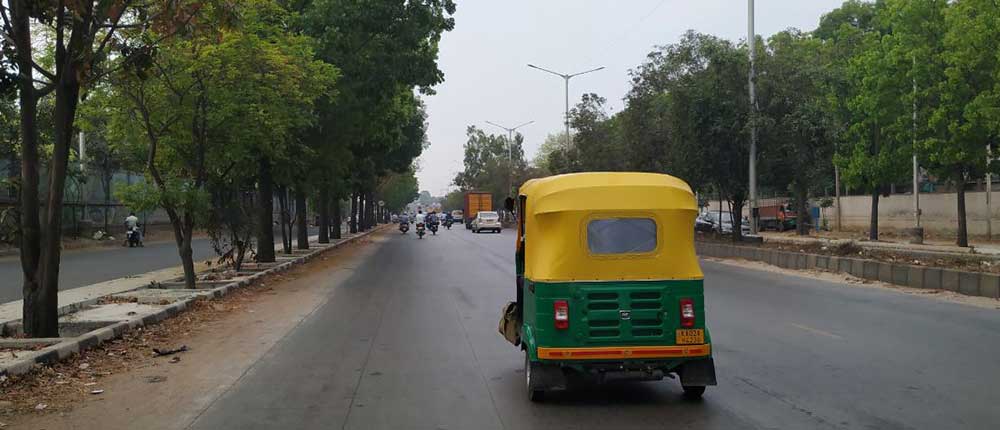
{"points": [[687, 313], [561, 314]]}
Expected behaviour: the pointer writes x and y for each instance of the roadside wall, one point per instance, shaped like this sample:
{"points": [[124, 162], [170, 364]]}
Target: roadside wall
{"points": [[968, 283], [896, 212]]}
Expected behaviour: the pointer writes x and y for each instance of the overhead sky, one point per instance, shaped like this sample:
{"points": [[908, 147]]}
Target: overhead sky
{"points": [[485, 60]]}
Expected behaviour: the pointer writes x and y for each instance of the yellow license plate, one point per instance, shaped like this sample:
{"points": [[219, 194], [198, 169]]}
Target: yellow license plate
{"points": [[690, 336]]}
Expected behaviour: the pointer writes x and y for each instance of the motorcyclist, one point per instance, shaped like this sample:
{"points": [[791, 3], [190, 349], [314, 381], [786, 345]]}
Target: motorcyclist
{"points": [[420, 217], [132, 224], [432, 218]]}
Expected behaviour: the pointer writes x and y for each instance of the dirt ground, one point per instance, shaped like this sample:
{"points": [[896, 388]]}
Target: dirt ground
{"points": [[852, 281], [124, 385]]}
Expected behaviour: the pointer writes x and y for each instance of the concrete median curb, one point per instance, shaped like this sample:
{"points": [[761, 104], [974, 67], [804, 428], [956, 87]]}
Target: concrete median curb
{"points": [[74, 345], [968, 283]]}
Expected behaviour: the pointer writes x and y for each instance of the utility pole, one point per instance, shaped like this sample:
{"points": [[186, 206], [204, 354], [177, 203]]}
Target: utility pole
{"points": [[751, 43], [566, 78], [989, 191], [81, 184], [836, 184], [918, 232]]}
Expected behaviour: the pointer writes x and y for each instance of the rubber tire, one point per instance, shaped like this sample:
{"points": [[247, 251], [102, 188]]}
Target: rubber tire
{"points": [[693, 392], [534, 395]]}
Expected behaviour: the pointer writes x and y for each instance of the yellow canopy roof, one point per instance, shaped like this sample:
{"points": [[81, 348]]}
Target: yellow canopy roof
{"points": [[559, 208]]}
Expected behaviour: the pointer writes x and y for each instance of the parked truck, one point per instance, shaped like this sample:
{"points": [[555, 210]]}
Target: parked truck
{"points": [[779, 216], [476, 201]]}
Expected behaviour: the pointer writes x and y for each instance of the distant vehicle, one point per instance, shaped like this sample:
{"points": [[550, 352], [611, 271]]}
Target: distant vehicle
{"points": [[456, 215], [476, 201], [778, 217], [710, 221], [486, 221]]}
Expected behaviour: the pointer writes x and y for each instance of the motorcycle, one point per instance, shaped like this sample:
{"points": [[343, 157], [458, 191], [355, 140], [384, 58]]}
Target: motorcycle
{"points": [[133, 237], [434, 228], [404, 227], [447, 224], [420, 230]]}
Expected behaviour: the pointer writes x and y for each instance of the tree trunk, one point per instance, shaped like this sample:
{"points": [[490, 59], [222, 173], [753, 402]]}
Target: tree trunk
{"points": [[802, 216], [736, 212], [39, 313], [265, 232], [286, 245], [300, 219], [354, 213], [362, 211], [873, 220], [184, 249], [324, 215], [337, 219], [66, 100], [963, 233]]}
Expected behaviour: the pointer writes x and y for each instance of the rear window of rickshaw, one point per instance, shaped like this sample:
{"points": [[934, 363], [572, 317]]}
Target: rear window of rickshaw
{"points": [[612, 236]]}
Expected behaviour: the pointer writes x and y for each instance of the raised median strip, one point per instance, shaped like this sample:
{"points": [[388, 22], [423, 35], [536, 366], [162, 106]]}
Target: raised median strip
{"points": [[95, 320], [980, 284]]}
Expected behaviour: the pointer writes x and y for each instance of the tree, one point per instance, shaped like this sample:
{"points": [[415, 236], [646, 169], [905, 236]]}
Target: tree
{"points": [[83, 33], [216, 106], [398, 189], [492, 163], [796, 124], [863, 101], [386, 50], [703, 80], [964, 122], [596, 143]]}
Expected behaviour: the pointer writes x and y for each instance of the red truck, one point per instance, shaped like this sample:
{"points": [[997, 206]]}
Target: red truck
{"points": [[778, 217], [476, 201]]}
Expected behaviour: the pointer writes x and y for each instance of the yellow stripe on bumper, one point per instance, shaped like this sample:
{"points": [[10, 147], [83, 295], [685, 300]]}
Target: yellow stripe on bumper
{"points": [[624, 352]]}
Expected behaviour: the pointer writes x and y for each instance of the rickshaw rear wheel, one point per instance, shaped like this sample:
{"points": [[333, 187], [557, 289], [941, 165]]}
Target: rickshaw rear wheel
{"points": [[693, 392], [534, 393]]}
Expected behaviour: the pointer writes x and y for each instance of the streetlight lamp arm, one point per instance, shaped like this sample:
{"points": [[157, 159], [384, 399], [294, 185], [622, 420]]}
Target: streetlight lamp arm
{"points": [[549, 71], [522, 125], [588, 71]]}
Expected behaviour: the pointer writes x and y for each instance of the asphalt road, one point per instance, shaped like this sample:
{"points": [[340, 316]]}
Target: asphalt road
{"points": [[410, 342], [82, 267]]}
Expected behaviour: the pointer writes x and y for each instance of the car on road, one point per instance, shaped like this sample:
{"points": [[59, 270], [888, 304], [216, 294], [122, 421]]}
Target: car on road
{"points": [[719, 222], [486, 220], [457, 216], [608, 285]]}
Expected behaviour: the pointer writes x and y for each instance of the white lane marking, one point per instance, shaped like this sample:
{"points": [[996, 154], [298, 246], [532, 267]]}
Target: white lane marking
{"points": [[816, 331]]}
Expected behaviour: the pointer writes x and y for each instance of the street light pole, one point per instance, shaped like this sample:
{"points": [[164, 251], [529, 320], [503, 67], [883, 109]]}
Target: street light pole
{"points": [[751, 42], [566, 78], [510, 149]]}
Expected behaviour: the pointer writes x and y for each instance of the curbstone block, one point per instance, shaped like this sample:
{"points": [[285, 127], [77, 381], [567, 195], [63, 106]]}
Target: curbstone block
{"points": [[846, 265], [949, 279], [885, 272], [989, 285], [900, 274], [915, 277], [932, 278], [802, 261], [968, 283], [869, 270], [66, 349], [823, 262]]}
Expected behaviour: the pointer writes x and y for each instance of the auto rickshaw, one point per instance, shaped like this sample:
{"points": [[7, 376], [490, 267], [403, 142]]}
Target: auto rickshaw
{"points": [[608, 282]]}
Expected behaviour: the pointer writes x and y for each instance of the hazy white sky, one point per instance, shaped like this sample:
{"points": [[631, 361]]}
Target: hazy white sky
{"points": [[484, 60]]}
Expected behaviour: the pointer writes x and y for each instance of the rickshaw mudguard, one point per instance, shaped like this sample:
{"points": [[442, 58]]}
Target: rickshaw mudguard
{"points": [[528, 342]]}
